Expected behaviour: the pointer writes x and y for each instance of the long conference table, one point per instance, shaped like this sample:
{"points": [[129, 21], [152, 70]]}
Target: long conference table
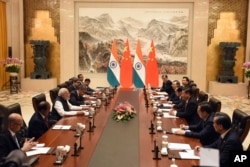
{"points": [[113, 144]]}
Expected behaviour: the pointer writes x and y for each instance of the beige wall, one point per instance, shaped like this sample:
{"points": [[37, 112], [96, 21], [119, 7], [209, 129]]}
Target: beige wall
{"points": [[68, 45]]}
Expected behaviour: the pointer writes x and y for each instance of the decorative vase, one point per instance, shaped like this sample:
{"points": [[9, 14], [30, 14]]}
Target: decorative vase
{"points": [[13, 74]]}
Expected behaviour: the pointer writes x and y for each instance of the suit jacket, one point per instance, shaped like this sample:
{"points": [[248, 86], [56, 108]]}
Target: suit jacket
{"points": [[189, 111], [71, 88], [231, 142], [37, 125], [167, 87], [89, 91], [7, 144], [204, 130], [75, 99]]}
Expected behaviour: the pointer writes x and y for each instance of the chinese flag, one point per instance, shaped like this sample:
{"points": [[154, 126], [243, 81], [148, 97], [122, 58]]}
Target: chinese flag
{"points": [[126, 71], [152, 74]]}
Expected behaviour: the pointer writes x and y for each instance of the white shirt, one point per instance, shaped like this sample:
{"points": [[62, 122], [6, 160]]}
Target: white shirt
{"points": [[73, 109]]}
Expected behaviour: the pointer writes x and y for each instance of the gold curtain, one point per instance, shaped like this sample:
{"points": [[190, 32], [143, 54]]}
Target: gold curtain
{"points": [[3, 44]]}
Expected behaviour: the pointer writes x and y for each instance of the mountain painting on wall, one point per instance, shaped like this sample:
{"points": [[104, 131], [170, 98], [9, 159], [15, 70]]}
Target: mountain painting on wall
{"points": [[167, 27]]}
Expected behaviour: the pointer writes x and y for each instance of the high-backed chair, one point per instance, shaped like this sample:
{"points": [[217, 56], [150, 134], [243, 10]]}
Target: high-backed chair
{"points": [[69, 82], [3, 118], [53, 93], [37, 99], [215, 104], [62, 85], [195, 92], [23, 132], [241, 123], [203, 96]]}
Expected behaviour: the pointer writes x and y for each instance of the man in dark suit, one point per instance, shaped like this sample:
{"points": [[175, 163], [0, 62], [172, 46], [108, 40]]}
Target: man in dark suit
{"points": [[166, 85], [74, 85], [76, 96], [185, 82], [89, 90], [228, 141], [189, 109], [8, 139], [38, 123], [204, 130]]}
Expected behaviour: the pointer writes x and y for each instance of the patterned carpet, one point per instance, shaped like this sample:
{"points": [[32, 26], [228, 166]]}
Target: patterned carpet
{"points": [[229, 103]]}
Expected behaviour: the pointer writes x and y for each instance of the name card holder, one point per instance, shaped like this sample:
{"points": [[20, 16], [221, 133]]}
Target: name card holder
{"points": [[77, 146]]}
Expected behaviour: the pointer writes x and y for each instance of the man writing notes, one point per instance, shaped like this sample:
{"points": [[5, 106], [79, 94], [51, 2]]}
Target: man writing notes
{"points": [[8, 139], [63, 107]]}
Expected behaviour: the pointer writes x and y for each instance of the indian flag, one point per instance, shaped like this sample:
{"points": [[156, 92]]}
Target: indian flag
{"points": [[113, 73], [138, 67]]}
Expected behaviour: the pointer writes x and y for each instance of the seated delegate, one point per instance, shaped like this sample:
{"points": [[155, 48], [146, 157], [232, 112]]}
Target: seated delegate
{"points": [[8, 139], [39, 122], [228, 141], [203, 130], [63, 107]]}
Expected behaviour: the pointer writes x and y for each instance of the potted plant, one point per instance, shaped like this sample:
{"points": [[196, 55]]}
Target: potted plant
{"points": [[12, 65], [246, 66]]}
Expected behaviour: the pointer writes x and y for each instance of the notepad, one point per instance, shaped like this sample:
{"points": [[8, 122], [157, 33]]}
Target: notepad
{"points": [[38, 150], [62, 127], [166, 115], [179, 146]]}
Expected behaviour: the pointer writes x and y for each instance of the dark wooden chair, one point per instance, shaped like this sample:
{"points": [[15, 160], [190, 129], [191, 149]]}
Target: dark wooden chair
{"points": [[195, 92], [53, 93], [37, 99], [215, 104], [62, 85], [3, 118], [241, 123], [203, 96], [68, 83]]}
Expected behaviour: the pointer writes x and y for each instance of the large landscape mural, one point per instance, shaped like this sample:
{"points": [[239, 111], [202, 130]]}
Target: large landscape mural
{"points": [[168, 28]]}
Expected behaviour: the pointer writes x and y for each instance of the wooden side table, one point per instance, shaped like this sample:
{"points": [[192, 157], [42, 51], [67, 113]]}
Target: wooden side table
{"points": [[14, 84]]}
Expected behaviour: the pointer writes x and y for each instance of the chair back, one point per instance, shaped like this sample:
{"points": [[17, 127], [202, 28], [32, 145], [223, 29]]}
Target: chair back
{"points": [[215, 104], [53, 93], [62, 85], [37, 99], [241, 123], [3, 118], [195, 92], [203, 96]]}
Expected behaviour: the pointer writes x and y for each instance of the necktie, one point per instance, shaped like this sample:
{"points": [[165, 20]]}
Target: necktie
{"points": [[16, 141]]}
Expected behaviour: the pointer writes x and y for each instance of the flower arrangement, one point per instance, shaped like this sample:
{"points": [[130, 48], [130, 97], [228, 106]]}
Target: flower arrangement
{"points": [[124, 112], [12, 64], [246, 66]]}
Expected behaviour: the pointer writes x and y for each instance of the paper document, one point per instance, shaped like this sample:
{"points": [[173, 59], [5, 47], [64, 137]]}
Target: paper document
{"points": [[164, 109], [209, 157], [38, 150], [63, 127], [173, 130], [167, 105], [158, 96], [188, 154], [178, 146], [166, 115], [161, 93]]}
